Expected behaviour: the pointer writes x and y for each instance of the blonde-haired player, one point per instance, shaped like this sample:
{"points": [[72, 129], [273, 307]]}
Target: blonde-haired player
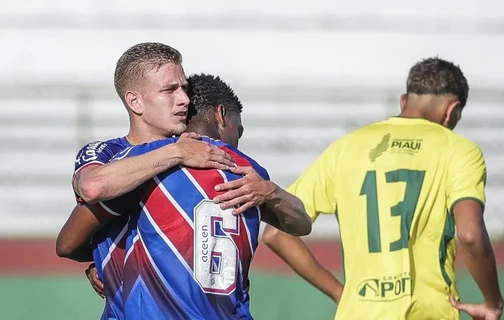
{"points": [[399, 188]]}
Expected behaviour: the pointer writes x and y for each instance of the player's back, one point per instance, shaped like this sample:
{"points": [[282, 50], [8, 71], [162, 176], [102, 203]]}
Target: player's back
{"points": [[187, 258], [396, 185]]}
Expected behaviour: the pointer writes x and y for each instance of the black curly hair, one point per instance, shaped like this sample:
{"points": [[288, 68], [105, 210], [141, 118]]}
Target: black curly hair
{"points": [[437, 76], [207, 92]]}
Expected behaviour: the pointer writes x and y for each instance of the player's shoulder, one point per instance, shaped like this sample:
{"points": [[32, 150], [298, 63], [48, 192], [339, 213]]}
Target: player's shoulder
{"points": [[100, 151], [143, 148], [459, 145], [240, 158]]}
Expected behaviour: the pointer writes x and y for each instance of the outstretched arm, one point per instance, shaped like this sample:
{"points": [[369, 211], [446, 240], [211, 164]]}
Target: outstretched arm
{"points": [[294, 252], [108, 181], [279, 208]]}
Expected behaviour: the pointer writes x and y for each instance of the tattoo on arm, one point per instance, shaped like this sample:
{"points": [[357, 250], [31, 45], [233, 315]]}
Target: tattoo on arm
{"points": [[159, 165]]}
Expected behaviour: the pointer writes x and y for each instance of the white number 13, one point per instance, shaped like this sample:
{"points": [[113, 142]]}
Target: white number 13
{"points": [[215, 253]]}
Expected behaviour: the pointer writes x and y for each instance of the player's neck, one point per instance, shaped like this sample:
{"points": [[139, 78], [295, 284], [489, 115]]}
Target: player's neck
{"points": [[139, 135], [413, 112], [203, 129], [411, 115]]}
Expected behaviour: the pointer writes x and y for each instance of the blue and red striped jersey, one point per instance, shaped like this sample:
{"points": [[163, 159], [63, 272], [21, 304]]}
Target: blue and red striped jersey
{"points": [[109, 242], [186, 258]]}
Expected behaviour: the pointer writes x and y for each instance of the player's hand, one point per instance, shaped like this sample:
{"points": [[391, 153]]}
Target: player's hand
{"points": [[247, 192], [477, 311], [92, 275], [195, 153]]}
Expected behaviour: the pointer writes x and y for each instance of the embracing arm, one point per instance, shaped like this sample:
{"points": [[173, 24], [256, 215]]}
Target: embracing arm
{"points": [[99, 183], [73, 241], [104, 182], [278, 207], [285, 212]]}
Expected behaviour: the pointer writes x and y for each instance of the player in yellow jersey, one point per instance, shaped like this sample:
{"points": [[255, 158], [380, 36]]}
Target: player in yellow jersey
{"points": [[399, 188]]}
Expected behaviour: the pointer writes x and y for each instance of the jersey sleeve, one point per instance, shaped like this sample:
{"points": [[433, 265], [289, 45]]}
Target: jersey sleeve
{"points": [[138, 150], [95, 153], [316, 187], [466, 177]]}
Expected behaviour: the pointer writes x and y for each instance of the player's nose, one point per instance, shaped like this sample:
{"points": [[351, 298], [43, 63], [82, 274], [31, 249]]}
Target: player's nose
{"points": [[183, 99]]}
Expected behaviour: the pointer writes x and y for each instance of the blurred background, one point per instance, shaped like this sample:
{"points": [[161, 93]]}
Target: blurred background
{"points": [[307, 72]]}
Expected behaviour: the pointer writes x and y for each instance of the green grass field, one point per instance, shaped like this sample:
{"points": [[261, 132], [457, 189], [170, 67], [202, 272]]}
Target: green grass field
{"points": [[274, 296]]}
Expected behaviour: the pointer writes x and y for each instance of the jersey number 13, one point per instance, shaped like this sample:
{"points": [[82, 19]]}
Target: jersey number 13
{"points": [[404, 209]]}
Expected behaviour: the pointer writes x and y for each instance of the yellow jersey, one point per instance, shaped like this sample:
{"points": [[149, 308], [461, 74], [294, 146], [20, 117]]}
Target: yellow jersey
{"points": [[393, 185]]}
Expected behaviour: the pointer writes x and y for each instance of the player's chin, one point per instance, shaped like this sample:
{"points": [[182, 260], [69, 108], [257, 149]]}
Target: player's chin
{"points": [[178, 128]]}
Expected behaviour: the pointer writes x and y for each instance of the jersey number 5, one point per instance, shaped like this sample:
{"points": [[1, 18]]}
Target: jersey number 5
{"points": [[404, 209]]}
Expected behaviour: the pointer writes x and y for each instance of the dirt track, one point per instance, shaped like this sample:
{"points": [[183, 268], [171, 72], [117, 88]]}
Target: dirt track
{"points": [[38, 257]]}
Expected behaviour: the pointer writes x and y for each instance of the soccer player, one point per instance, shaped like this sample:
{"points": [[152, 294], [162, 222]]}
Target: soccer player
{"points": [[207, 276], [399, 188], [150, 81]]}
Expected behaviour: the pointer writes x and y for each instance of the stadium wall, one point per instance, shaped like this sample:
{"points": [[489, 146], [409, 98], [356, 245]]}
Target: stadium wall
{"points": [[307, 74]]}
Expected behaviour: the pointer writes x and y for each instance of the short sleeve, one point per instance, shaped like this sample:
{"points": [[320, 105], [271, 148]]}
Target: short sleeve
{"points": [[466, 176], [95, 153], [316, 186], [92, 154]]}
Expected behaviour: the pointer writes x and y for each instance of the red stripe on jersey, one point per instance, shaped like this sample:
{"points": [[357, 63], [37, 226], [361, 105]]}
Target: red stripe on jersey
{"points": [[171, 222], [238, 159], [207, 179], [113, 270], [131, 269]]}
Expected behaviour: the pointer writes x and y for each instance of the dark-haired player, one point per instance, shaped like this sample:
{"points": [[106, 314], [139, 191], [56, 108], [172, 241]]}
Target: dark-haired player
{"points": [[399, 188], [186, 257]]}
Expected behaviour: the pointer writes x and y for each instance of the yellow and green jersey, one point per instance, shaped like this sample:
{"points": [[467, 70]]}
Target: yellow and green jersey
{"points": [[392, 186]]}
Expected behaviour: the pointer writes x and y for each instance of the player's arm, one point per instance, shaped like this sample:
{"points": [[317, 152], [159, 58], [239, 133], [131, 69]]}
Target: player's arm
{"points": [[466, 198], [110, 180], [317, 190], [278, 207], [73, 241], [294, 252], [285, 212]]}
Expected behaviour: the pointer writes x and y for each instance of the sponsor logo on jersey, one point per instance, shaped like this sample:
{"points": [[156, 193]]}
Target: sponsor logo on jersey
{"points": [[409, 146], [380, 148], [385, 288], [90, 153]]}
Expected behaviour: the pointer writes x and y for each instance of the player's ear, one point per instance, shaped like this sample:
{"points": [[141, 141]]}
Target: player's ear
{"points": [[404, 99], [453, 114], [220, 115], [133, 101]]}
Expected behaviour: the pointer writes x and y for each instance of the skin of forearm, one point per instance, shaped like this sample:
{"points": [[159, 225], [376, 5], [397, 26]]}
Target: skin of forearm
{"points": [[100, 183], [290, 212], [295, 253], [480, 262]]}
